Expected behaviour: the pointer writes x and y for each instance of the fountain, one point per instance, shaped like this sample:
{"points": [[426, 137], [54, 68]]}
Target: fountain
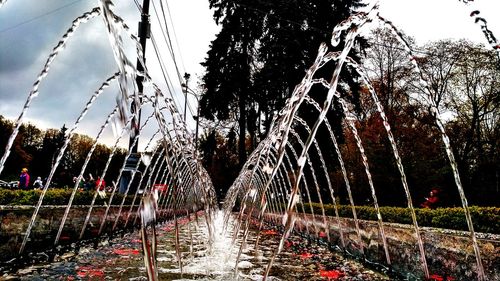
{"points": [[190, 189], [279, 193], [281, 135]]}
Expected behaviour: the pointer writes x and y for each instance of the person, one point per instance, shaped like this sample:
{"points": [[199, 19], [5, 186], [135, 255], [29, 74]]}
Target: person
{"points": [[100, 183], [24, 179], [38, 184], [81, 183], [89, 183], [432, 201]]}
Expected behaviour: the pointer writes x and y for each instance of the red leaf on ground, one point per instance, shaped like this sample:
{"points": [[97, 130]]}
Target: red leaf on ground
{"points": [[90, 272], [331, 274], [126, 252], [436, 277], [167, 228], [306, 255], [269, 232]]}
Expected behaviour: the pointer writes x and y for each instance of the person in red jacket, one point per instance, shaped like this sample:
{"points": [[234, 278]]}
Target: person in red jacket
{"points": [[432, 201], [24, 179], [100, 183]]}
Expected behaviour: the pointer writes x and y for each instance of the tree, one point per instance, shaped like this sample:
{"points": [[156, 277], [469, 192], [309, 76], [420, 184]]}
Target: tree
{"points": [[260, 54], [389, 70], [475, 127], [24, 150], [76, 153], [228, 65], [439, 65], [220, 159], [53, 140], [459, 78], [293, 31], [405, 101], [37, 150]]}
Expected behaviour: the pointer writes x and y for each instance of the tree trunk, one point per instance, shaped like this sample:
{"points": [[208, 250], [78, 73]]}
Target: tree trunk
{"points": [[242, 123]]}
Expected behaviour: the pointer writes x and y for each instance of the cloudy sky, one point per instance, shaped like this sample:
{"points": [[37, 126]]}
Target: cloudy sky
{"points": [[30, 29]]}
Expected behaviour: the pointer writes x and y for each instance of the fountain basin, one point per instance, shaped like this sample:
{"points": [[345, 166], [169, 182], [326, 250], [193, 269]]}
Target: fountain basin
{"points": [[449, 253], [15, 219]]}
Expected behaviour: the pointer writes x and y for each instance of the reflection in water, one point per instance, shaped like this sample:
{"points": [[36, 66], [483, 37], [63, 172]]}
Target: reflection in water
{"points": [[121, 258]]}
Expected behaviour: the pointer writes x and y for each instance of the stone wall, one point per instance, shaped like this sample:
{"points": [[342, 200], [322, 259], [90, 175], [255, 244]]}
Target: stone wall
{"points": [[14, 222], [449, 253]]}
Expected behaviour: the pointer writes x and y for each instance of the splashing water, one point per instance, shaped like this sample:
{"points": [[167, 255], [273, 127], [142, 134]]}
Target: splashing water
{"points": [[449, 152], [193, 181], [357, 20], [279, 139], [45, 70], [128, 86], [488, 34], [271, 186], [148, 219]]}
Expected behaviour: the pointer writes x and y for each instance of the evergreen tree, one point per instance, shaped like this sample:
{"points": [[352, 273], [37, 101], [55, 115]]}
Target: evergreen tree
{"points": [[228, 66], [260, 54]]}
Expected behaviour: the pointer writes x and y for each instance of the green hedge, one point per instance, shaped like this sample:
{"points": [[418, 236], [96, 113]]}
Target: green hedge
{"points": [[56, 196], [485, 219]]}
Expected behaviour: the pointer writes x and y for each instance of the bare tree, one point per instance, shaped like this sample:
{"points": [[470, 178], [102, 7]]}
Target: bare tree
{"points": [[476, 100], [388, 67]]}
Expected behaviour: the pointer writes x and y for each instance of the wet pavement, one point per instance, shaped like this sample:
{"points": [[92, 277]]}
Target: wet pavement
{"points": [[121, 258]]}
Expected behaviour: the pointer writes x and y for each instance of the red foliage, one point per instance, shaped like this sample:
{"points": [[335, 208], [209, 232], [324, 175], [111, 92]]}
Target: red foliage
{"points": [[168, 227], [126, 252], [331, 274], [288, 244], [306, 256], [436, 277], [90, 272], [269, 232]]}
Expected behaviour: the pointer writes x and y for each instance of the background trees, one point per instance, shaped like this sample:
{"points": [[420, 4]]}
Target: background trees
{"points": [[260, 54], [37, 150], [461, 78], [220, 159], [475, 106], [256, 61]]}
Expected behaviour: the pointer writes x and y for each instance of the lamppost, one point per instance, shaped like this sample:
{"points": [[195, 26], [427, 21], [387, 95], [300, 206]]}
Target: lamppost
{"points": [[186, 91], [144, 33]]}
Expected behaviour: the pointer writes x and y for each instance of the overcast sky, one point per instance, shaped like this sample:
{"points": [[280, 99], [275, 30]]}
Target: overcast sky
{"points": [[30, 29]]}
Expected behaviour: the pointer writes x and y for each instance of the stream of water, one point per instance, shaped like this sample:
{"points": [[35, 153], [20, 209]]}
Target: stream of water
{"points": [[225, 245], [121, 259]]}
